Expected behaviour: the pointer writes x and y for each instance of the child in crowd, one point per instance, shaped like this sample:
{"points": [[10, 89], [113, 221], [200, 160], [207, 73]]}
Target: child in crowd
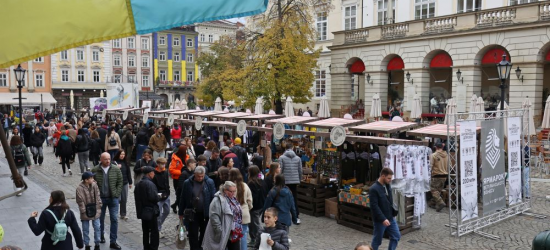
{"points": [[278, 239], [363, 246]]}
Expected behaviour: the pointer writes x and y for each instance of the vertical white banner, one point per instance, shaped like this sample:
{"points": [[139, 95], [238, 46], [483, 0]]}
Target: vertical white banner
{"points": [[468, 170], [514, 160]]}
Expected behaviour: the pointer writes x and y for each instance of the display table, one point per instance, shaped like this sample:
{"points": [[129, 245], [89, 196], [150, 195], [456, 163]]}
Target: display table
{"points": [[311, 197], [357, 199]]}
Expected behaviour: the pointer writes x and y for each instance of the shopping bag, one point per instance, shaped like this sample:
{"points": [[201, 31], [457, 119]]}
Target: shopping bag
{"points": [[181, 236]]}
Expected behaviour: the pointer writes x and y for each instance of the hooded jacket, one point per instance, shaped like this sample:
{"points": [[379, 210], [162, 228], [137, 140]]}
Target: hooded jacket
{"points": [[176, 133], [46, 221], [284, 202], [162, 183], [291, 167], [158, 143], [176, 165], [65, 147], [278, 235], [37, 139], [438, 163], [86, 195], [146, 195], [220, 223]]}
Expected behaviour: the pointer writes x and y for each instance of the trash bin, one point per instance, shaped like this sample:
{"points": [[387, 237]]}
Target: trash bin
{"points": [[542, 241]]}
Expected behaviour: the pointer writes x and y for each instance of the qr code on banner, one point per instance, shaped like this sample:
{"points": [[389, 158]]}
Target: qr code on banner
{"points": [[514, 159], [469, 168]]}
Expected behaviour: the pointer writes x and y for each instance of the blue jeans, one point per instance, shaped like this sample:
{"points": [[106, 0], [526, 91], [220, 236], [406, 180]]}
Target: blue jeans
{"points": [[139, 151], [164, 207], [243, 239], [112, 204], [393, 232], [86, 230], [112, 152]]}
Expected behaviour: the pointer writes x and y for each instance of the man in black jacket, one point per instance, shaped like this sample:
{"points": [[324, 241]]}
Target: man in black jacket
{"points": [[146, 196], [381, 205], [243, 157], [162, 182], [102, 135]]}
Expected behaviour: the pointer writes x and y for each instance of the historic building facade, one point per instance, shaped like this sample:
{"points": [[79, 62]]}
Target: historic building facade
{"points": [[132, 61], [175, 53], [84, 70], [430, 41]]}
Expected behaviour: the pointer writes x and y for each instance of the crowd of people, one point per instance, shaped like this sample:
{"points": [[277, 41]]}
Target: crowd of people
{"points": [[221, 196]]}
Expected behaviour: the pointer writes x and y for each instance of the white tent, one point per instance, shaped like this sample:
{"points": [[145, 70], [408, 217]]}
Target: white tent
{"points": [[546, 117], [226, 110], [473, 104], [177, 104], [289, 107], [259, 108], [346, 116], [449, 113], [416, 110], [324, 110], [528, 121], [183, 104], [71, 97], [197, 108], [248, 111], [376, 107], [271, 112], [218, 104], [101, 94], [480, 107], [306, 114]]}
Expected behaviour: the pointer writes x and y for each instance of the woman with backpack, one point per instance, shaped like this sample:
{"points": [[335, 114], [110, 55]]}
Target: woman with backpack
{"points": [[112, 142], [56, 233], [83, 150], [37, 142], [20, 155], [281, 198], [65, 149]]}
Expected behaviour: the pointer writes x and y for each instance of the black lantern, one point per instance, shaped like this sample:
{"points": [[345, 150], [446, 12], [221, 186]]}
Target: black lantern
{"points": [[20, 77], [459, 76], [408, 75], [503, 67], [19, 74], [368, 79], [518, 74]]}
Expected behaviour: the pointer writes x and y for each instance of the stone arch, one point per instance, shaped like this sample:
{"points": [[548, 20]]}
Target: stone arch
{"points": [[439, 55], [390, 58], [491, 54], [486, 60], [355, 65]]}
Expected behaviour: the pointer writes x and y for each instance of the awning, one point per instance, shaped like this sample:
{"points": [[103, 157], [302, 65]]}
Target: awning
{"points": [[146, 96], [31, 98]]}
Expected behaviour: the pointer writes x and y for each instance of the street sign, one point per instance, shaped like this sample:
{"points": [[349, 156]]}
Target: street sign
{"points": [[241, 127], [198, 123], [278, 130], [337, 135]]}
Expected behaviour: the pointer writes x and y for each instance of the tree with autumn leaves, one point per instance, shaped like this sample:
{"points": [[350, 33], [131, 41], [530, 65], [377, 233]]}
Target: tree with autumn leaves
{"points": [[275, 61]]}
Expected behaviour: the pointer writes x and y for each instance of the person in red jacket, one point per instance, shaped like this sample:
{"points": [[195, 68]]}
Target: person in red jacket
{"points": [[179, 158], [175, 132]]}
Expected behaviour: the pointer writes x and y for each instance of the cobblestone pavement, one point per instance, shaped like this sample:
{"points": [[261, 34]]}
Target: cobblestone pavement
{"points": [[324, 233]]}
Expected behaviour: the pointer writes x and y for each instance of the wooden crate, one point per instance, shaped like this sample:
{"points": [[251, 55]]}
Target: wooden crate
{"points": [[311, 198], [317, 191], [360, 218]]}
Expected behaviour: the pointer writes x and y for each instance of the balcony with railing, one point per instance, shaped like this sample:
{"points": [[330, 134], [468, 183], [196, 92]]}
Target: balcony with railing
{"points": [[536, 12], [176, 84]]}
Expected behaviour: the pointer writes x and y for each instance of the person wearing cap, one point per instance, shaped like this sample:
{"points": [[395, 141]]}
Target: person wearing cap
{"points": [[162, 182], [243, 163], [147, 197], [438, 164], [109, 179], [87, 193]]}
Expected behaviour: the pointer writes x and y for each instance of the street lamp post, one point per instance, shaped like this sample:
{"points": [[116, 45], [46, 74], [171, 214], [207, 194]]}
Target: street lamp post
{"points": [[503, 67], [20, 77]]}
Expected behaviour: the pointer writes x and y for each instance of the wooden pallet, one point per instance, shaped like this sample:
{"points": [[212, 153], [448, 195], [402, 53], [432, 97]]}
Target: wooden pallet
{"points": [[311, 198], [360, 218]]}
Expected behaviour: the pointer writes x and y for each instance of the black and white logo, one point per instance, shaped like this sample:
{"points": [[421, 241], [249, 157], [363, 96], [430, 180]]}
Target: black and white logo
{"points": [[492, 151]]}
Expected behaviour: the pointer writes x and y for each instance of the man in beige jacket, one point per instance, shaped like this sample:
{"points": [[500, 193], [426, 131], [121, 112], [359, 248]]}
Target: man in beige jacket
{"points": [[438, 162], [158, 144]]}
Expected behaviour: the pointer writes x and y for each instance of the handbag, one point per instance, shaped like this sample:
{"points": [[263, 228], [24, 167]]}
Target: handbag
{"points": [[91, 208], [181, 236], [150, 213]]}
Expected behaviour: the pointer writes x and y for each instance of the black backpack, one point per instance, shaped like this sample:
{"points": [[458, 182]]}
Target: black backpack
{"points": [[19, 156], [83, 143], [112, 141]]}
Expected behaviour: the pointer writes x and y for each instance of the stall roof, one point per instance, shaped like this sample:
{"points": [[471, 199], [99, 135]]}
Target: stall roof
{"points": [[118, 109], [232, 115], [208, 113], [262, 117], [219, 124], [185, 121], [384, 127], [183, 112], [333, 122], [294, 120], [163, 111], [383, 140], [436, 131]]}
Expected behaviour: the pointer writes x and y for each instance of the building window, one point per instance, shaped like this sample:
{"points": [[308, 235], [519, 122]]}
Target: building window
{"points": [[118, 78], [80, 55], [176, 57], [383, 12], [95, 56], [468, 5], [145, 61], [131, 78], [202, 37], [3, 80], [145, 81], [424, 9], [190, 76], [131, 43], [96, 76], [162, 75], [350, 17], [516, 2], [116, 61], [131, 61], [177, 76], [320, 83], [144, 43], [80, 75], [162, 40], [190, 57], [162, 56], [210, 38], [116, 43], [64, 75], [64, 55], [176, 41], [39, 80], [189, 42], [40, 59], [321, 26]]}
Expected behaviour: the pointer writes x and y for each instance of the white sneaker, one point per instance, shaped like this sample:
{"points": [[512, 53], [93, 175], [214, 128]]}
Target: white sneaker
{"points": [[161, 235], [298, 221], [65, 175], [18, 189]]}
